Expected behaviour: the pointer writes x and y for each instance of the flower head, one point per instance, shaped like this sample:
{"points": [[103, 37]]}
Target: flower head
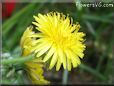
{"points": [[27, 42], [57, 39], [35, 71]]}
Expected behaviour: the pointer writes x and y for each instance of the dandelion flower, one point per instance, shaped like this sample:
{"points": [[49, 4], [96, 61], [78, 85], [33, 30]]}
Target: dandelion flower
{"points": [[27, 42], [35, 72], [34, 68], [57, 40]]}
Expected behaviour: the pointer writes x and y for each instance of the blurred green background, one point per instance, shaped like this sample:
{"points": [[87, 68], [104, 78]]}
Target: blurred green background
{"points": [[98, 24]]}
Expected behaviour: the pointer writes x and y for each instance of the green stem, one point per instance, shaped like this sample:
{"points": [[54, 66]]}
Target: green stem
{"points": [[17, 60], [65, 77]]}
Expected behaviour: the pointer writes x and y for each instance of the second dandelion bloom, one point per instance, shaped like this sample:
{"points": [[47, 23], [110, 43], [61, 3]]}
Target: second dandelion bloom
{"points": [[56, 40]]}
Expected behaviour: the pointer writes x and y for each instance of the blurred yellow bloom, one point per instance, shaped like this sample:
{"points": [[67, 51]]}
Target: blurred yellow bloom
{"points": [[33, 68], [35, 72], [27, 42], [56, 39]]}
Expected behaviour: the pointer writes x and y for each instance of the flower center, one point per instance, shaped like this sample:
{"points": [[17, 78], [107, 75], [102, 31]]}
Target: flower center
{"points": [[61, 40]]}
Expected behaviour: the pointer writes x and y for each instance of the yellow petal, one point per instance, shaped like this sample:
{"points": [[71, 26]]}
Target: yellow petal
{"points": [[62, 57], [40, 46], [58, 64], [53, 60], [78, 52], [37, 19], [37, 35], [75, 57], [77, 60], [69, 64], [74, 62], [38, 41], [49, 54], [45, 49], [42, 17], [35, 23]]}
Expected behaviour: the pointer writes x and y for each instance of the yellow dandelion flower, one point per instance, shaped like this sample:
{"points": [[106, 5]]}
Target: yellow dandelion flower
{"points": [[34, 68], [26, 42], [58, 40], [35, 72]]}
